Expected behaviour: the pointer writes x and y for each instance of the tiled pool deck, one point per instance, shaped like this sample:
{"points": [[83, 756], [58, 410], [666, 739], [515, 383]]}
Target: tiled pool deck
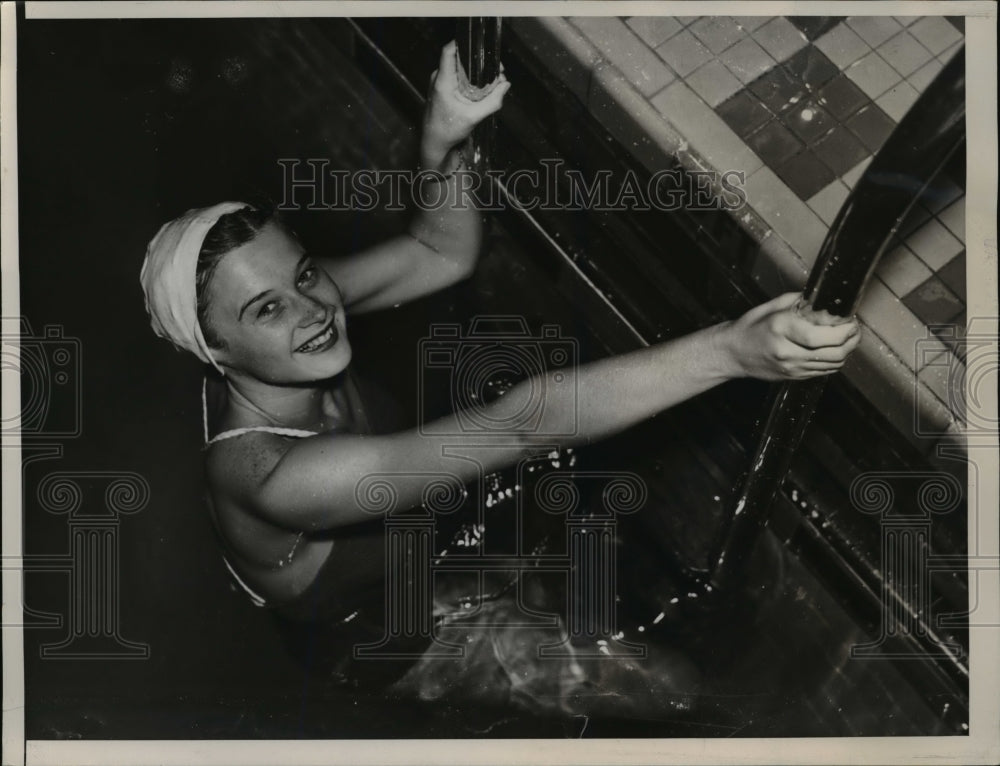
{"points": [[800, 105]]}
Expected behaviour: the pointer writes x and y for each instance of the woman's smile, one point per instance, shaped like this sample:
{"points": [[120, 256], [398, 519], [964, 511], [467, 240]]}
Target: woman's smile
{"points": [[323, 340]]}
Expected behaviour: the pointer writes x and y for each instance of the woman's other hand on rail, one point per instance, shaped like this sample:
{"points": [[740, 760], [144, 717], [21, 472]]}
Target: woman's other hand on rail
{"points": [[780, 341], [453, 107]]}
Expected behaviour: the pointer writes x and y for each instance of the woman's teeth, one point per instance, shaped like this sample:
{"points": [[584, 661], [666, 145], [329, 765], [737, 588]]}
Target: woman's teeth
{"points": [[320, 340]]}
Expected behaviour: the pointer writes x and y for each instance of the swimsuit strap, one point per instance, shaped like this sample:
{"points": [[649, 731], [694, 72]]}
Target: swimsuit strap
{"points": [[298, 433]]}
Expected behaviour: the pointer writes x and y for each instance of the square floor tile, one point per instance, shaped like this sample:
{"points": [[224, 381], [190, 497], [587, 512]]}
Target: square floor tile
{"points": [[750, 23], [713, 82], [811, 66], [896, 101], [717, 32], [904, 53], [814, 26], [805, 174], [747, 60], [953, 218], [934, 244], [953, 275], [873, 75], [683, 53], [872, 126], [902, 271], [780, 38], [774, 143], [925, 75], [852, 176], [808, 121], [778, 90], [874, 30], [840, 150], [935, 33], [826, 203], [842, 46], [654, 29], [743, 112], [933, 302], [841, 97]]}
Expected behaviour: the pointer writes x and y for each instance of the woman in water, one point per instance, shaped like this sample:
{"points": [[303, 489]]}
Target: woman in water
{"points": [[287, 438]]}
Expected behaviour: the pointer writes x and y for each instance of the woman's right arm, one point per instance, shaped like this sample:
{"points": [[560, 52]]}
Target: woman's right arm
{"points": [[314, 484]]}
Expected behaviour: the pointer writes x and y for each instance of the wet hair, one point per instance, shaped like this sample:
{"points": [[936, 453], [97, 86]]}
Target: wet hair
{"points": [[231, 231]]}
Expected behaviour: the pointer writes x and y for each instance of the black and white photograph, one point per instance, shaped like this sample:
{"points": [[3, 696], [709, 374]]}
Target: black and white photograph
{"points": [[582, 383]]}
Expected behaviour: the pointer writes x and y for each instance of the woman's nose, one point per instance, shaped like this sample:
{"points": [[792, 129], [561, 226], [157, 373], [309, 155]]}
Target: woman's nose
{"points": [[313, 312]]}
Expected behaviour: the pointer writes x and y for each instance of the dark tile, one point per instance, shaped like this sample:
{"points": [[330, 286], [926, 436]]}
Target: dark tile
{"points": [[953, 275], [812, 67], [842, 98], [958, 22], [778, 90], [933, 302], [808, 121], [916, 218], [840, 150], [743, 112], [872, 126], [805, 174], [814, 26], [774, 144]]}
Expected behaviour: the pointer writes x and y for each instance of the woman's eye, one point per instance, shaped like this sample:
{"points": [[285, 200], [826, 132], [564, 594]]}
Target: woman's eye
{"points": [[308, 276], [268, 309]]}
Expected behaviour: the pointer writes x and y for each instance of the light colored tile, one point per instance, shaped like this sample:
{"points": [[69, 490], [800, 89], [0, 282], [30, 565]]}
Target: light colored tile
{"points": [[902, 271], [934, 244], [780, 38], [791, 218], [654, 29], [904, 53], [619, 45], [842, 46], [901, 330], [944, 375], [953, 217], [827, 202], [704, 130], [683, 53], [874, 30], [750, 23], [747, 60], [872, 75], [896, 101], [925, 75], [714, 83], [852, 176], [717, 32], [936, 33], [949, 52]]}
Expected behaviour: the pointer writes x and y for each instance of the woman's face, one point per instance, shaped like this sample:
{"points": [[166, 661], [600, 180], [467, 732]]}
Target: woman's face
{"points": [[280, 315]]}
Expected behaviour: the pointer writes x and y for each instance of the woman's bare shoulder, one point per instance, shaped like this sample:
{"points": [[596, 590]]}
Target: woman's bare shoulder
{"points": [[236, 466]]}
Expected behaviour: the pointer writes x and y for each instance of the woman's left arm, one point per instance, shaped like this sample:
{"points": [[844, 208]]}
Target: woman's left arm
{"points": [[442, 243]]}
